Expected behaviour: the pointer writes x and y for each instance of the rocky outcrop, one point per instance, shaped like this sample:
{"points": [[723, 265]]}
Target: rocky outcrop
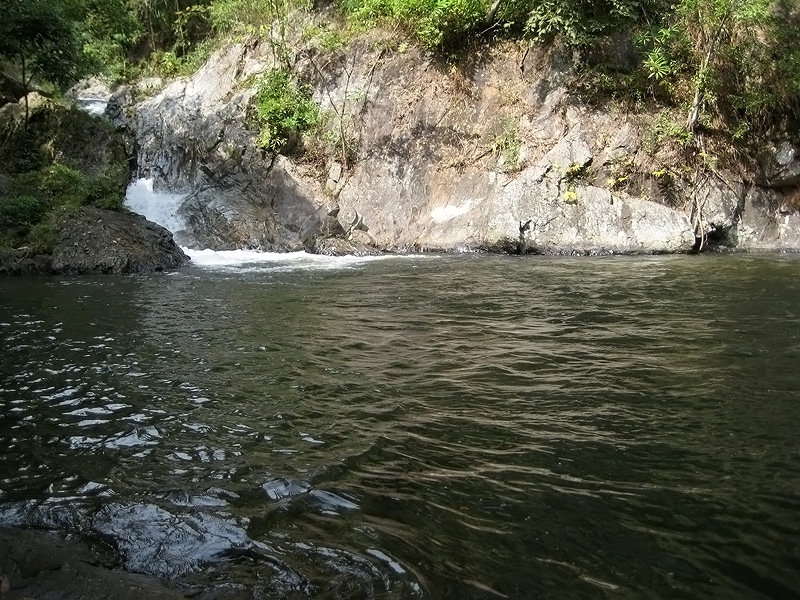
{"points": [[492, 155], [191, 138], [94, 241], [100, 241]]}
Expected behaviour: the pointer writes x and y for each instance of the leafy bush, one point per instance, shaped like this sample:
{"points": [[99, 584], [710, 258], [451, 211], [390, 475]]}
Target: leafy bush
{"points": [[284, 110], [578, 22], [250, 16], [738, 60], [37, 195], [435, 23], [508, 144], [21, 212], [60, 184], [42, 237], [107, 190]]}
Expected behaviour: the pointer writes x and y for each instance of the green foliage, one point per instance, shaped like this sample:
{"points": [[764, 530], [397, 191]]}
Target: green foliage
{"points": [[111, 30], [620, 173], [250, 16], [571, 196], [333, 135], [664, 129], [436, 23], [107, 190], [579, 22], [21, 212], [42, 38], [37, 194], [731, 59], [576, 172], [508, 144], [284, 110], [59, 184], [658, 66], [330, 38], [42, 236]]}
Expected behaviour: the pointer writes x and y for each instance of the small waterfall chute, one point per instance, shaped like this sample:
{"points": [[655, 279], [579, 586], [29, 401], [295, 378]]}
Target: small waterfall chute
{"points": [[159, 207]]}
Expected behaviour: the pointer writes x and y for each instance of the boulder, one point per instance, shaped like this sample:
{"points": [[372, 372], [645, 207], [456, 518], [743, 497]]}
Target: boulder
{"points": [[102, 241], [343, 247]]}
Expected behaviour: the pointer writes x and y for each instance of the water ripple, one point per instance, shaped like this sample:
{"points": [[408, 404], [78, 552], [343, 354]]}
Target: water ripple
{"points": [[467, 427]]}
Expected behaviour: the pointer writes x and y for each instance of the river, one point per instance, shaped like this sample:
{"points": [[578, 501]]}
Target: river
{"points": [[418, 427]]}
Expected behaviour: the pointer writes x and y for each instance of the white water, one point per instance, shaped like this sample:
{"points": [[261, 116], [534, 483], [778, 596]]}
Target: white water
{"points": [[159, 207], [162, 208], [252, 260], [94, 106]]}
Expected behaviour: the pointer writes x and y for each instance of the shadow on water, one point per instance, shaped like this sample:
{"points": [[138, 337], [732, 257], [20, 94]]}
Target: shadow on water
{"points": [[444, 427]]}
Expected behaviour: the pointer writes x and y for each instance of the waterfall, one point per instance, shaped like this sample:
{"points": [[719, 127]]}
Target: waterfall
{"points": [[163, 208], [159, 207]]}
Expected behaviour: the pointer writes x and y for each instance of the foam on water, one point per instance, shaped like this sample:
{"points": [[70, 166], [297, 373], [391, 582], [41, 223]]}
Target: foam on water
{"points": [[275, 261], [95, 106]]}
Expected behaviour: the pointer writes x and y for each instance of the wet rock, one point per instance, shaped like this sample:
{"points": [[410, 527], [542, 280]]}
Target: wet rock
{"points": [[46, 566], [153, 541], [18, 262], [343, 247], [230, 218], [48, 514], [102, 241], [117, 105], [280, 488]]}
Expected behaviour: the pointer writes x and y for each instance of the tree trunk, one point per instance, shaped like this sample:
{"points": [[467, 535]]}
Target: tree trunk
{"points": [[700, 84], [492, 12]]}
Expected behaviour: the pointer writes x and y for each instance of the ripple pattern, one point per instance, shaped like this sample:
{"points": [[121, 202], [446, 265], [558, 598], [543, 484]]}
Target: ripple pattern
{"points": [[451, 427]]}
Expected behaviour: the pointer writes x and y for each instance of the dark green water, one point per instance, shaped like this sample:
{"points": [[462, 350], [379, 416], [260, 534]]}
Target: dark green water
{"points": [[451, 427]]}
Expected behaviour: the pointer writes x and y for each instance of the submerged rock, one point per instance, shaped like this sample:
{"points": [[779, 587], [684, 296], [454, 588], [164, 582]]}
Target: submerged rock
{"points": [[153, 541], [343, 247]]}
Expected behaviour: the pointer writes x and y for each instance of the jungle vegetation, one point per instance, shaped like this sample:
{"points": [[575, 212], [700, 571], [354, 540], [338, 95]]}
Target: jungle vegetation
{"points": [[728, 66], [731, 64]]}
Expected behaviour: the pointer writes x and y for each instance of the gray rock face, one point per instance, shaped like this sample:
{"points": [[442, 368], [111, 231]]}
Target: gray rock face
{"points": [[191, 135], [102, 241], [782, 166], [444, 162]]}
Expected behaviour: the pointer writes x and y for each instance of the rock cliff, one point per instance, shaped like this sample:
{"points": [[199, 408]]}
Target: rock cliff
{"points": [[493, 154]]}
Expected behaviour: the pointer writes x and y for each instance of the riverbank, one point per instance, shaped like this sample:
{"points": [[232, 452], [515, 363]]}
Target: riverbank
{"points": [[498, 154], [40, 564], [503, 151]]}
